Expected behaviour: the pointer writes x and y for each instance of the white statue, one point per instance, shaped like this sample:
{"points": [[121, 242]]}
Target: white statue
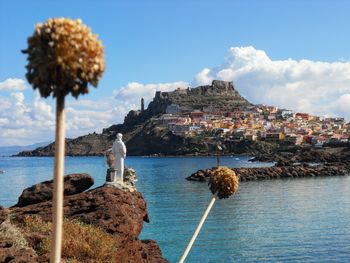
{"points": [[119, 152]]}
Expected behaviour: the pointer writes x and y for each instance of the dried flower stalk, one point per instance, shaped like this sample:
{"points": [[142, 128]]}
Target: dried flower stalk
{"points": [[224, 182], [64, 57]]}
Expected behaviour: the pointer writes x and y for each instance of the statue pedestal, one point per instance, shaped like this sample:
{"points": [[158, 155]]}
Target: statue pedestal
{"points": [[112, 176], [128, 184]]}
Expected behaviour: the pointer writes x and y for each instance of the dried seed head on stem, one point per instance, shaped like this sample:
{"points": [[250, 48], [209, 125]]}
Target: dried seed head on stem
{"points": [[64, 57], [224, 182]]}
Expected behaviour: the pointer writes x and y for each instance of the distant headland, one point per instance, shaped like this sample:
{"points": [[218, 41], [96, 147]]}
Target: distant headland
{"points": [[202, 120]]}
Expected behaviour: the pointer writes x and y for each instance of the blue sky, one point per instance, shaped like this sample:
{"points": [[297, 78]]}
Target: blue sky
{"points": [[165, 41], [151, 42]]}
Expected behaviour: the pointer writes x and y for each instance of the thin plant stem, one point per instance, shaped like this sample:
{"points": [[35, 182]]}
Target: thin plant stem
{"points": [[58, 182], [195, 234]]}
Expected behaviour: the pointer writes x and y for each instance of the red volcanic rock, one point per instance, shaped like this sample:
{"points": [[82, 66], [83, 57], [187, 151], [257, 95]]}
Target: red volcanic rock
{"points": [[9, 253], [150, 247], [120, 213], [73, 184], [143, 251], [2, 214], [114, 210]]}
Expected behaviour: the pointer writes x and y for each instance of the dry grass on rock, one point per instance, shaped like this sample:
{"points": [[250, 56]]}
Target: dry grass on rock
{"points": [[9, 232], [81, 242]]}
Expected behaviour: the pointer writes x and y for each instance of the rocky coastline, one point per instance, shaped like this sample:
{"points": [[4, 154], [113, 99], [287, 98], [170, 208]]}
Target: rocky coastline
{"points": [[280, 170], [145, 134], [118, 213], [291, 162]]}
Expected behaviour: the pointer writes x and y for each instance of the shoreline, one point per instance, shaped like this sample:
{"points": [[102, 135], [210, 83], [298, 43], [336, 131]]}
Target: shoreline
{"points": [[145, 156], [305, 154]]}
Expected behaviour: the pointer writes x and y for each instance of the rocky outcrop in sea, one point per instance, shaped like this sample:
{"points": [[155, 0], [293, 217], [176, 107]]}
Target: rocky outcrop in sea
{"points": [[120, 213], [279, 171]]}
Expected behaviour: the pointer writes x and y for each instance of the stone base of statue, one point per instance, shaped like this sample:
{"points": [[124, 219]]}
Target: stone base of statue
{"points": [[112, 175], [127, 184]]}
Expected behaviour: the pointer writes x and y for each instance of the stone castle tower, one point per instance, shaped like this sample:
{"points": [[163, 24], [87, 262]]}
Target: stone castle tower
{"points": [[142, 105]]}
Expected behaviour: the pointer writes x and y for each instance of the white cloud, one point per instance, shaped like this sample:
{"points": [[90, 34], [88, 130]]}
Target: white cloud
{"points": [[203, 77], [79, 122], [89, 104], [341, 106], [4, 121], [321, 88], [131, 94], [305, 85], [24, 121], [13, 85], [43, 111], [95, 115]]}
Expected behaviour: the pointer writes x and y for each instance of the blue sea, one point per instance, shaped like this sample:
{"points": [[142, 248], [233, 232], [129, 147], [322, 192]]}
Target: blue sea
{"points": [[289, 220]]}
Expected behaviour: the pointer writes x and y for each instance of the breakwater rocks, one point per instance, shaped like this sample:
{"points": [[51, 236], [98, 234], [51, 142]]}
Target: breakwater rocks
{"points": [[118, 213], [274, 172]]}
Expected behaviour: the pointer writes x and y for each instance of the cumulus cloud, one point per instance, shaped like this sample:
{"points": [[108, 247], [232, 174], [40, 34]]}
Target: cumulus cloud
{"points": [[204, 77], [309, 86], [340, 106], [83, 121], [24, 121], [90, 104], [13, 85]]}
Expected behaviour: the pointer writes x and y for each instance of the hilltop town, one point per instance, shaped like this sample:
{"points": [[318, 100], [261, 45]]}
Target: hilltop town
{"points": [[236, 119], [256, 123], [201, 120]]}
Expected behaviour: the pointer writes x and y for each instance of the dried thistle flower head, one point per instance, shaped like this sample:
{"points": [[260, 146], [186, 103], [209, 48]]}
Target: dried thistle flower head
{"points": [[64, 57], [224, 182]]}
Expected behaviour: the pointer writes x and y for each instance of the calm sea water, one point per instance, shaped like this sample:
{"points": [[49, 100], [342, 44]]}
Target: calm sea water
{"points": [[296, 220]]}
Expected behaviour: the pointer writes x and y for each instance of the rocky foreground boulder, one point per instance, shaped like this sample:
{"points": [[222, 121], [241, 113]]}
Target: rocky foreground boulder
{"points": [[73, 184], [116, 211]]}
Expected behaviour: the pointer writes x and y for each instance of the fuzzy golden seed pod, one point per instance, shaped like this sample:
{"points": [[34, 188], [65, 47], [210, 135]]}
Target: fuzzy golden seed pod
{"points": [[64, 57], [224, 182]]}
